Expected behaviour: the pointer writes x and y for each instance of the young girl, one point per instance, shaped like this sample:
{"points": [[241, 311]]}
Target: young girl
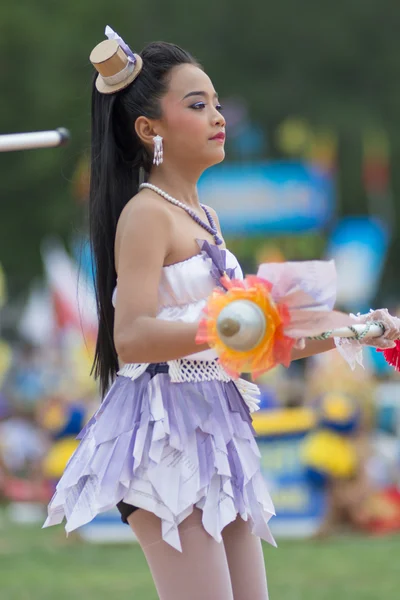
{"points": [[172, 445]]}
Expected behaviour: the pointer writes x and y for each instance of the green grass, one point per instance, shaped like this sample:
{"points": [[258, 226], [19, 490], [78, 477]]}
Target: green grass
{"points": [[38, 564]]}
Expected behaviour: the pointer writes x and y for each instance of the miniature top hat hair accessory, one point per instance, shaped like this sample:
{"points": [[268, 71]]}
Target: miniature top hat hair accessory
{"points": [[115, 62]]}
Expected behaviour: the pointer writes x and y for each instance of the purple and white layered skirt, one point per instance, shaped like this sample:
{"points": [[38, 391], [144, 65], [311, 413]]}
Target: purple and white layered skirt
{"points": [[166, 447]]}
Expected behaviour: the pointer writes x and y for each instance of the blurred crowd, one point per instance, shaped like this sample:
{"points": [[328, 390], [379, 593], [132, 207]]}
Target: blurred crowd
{"points": [[46, 396], [350, 421], [349, 424]]}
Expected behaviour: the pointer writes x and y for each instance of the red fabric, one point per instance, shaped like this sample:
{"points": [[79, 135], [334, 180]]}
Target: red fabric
{"points": [[392, 356], [388, 518]]}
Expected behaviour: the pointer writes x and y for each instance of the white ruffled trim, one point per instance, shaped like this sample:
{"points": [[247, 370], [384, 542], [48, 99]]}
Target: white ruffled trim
{"points": [[133, 370], [351, 350], [250, 393]]}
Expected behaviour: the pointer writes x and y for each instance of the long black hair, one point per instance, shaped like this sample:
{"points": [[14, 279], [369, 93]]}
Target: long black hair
{"points": [[117, 157]]}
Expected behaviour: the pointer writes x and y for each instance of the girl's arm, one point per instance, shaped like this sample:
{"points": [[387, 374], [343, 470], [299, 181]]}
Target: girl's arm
{"points": [[313, 347], [144, 243]]}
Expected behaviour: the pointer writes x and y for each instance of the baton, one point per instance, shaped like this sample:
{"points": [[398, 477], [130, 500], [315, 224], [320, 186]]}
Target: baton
{"points": [[241, 325], [37, 139]]}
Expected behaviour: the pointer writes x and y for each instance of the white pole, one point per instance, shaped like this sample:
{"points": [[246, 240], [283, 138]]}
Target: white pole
{"points": [[30, 141], [345, 332]]}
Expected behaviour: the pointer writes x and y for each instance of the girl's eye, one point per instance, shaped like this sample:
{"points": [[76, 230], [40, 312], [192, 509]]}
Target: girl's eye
{"points": [[199, 105]]}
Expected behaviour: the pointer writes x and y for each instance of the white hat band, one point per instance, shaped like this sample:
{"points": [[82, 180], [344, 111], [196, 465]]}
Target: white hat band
{"points": [[119, 77]]}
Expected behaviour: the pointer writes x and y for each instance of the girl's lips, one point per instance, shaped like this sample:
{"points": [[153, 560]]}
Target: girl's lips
{"points": [[220, 136]]}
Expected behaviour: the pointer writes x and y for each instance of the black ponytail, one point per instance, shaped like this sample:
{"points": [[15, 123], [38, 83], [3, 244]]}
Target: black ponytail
{"points": [[118, 159]]}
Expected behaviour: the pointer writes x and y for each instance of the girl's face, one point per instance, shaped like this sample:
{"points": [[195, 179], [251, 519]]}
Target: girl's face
{"points": [[191, 118]]}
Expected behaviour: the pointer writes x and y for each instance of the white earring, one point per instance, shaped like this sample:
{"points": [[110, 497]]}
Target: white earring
{"points": [[158, 150]]}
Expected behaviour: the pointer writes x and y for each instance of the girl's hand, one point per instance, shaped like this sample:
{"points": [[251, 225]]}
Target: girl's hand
{"points": [[351, 349], [391, 324]]}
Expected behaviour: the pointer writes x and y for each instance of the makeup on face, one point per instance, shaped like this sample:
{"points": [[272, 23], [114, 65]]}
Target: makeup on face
{"points": [[192, 113]]}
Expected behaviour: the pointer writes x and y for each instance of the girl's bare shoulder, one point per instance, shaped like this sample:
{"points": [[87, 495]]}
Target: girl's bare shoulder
{"points": [[144, 216], [144, 204]]}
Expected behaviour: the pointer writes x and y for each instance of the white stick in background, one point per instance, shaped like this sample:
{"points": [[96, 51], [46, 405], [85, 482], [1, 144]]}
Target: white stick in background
{"points": [[31, 141]]}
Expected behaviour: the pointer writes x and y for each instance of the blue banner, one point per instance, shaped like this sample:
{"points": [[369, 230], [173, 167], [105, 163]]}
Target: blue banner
{"points": [[277, 197], [358, 245], [300, 507]]}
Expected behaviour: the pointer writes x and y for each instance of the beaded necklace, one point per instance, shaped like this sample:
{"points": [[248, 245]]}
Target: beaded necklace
{"points": [[210, 226]]}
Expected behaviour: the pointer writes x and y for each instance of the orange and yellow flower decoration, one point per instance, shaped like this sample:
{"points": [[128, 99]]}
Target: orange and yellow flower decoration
{"points": [[274, 348]]}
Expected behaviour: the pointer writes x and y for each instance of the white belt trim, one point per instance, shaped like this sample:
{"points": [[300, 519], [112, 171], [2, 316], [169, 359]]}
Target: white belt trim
{"points": [[184, 370]]}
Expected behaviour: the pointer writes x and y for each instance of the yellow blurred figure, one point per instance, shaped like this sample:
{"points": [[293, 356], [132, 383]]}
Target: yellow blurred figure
{"points": [[330, 454], [81, 361], [58, 456], [54, 417], [329, 451], [337, 409]]}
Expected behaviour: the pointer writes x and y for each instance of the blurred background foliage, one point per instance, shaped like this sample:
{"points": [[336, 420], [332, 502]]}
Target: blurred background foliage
{"points": [[334, 65]]}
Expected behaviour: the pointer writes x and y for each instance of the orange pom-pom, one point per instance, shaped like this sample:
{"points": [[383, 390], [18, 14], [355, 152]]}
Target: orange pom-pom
{"points": [[274, 348]]}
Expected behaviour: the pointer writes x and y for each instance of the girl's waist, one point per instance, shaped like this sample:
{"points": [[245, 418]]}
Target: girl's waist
{"points": [[185, 370], [181, 370]]}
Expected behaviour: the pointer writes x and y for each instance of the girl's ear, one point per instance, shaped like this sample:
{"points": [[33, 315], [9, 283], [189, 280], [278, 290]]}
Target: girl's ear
{"points": [[144, 128]]}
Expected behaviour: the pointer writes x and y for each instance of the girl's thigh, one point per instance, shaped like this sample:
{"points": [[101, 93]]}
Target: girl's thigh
{"points": [[246, 561], [199, 572]]}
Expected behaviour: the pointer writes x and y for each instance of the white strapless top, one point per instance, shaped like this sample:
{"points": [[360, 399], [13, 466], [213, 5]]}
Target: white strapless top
{"points": [[186, 285]]}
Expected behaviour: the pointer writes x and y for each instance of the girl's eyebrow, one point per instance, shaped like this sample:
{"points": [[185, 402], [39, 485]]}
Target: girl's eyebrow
{"points": [[198, 94]]}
